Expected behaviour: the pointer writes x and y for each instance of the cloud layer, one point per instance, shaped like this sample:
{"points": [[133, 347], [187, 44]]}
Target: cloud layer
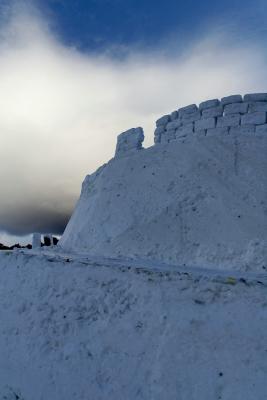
{"points": [[61, 110]]}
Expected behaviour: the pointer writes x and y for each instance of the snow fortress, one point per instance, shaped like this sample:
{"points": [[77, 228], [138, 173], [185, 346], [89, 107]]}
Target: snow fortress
{"points": [[197, 197]]}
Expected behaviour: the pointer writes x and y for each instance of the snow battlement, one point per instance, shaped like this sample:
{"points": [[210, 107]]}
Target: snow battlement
{"points": [[231, 115], [129, 140]]}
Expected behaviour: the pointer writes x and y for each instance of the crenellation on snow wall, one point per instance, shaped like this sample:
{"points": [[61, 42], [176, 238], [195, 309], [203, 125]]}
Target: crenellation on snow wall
{"points": [[128, 141], [230, 115]]}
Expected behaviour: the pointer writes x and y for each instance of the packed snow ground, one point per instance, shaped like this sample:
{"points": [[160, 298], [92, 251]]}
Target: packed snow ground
{"points": [[73, 328]]}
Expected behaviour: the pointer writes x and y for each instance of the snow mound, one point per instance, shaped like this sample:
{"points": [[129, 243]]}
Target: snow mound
{"points": [[199, 199]]}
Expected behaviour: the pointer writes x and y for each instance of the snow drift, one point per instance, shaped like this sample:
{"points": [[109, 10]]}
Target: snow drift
{"points": [[198, 197]]}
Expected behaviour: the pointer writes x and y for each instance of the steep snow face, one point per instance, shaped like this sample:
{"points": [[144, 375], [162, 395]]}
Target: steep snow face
{"points": [[200, 200], [74, 331]]}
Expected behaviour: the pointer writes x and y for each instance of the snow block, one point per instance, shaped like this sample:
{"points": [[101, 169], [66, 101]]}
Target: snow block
{"points": [[170, 135], [235, 108], [163, 120], [236, 98], [159, 130], [187, 127], [256, 118], [218, 131], [228, 120], [258, 106], [212, 112], [184, 130], [36, 240], [129, 140], [261, 129], [174, 124], [174, 115], [255, 97], [190, 117], [200, 133], [209, 104], [157, 139], [242, 130], [187, 110], [205, 123]]}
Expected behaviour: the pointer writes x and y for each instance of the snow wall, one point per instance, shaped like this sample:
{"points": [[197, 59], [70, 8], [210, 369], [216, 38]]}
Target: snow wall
{"points": [[197, 197]]}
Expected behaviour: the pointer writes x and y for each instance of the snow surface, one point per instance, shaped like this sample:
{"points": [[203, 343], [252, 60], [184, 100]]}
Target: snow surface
{"points": [[158, 287], [196, 201], [92, 329]]}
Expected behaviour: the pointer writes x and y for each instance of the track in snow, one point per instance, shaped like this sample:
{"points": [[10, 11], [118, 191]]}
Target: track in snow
{"points": [[218, 275]]}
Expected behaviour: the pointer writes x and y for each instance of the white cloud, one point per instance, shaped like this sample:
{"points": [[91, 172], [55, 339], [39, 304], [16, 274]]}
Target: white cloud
{"points": [[61, 110]]}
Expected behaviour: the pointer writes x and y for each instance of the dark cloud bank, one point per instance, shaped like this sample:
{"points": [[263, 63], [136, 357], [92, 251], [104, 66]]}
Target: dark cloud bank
{"points": [[25, 221]]}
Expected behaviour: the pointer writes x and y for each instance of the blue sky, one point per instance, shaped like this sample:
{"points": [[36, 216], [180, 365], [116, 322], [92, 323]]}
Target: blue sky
{"points": [[93, 24], [75, 74], [97, 24]]}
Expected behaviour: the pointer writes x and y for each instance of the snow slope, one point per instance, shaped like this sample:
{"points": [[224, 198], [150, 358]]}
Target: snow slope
{"points": [[199, 200], [76, 329]]}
